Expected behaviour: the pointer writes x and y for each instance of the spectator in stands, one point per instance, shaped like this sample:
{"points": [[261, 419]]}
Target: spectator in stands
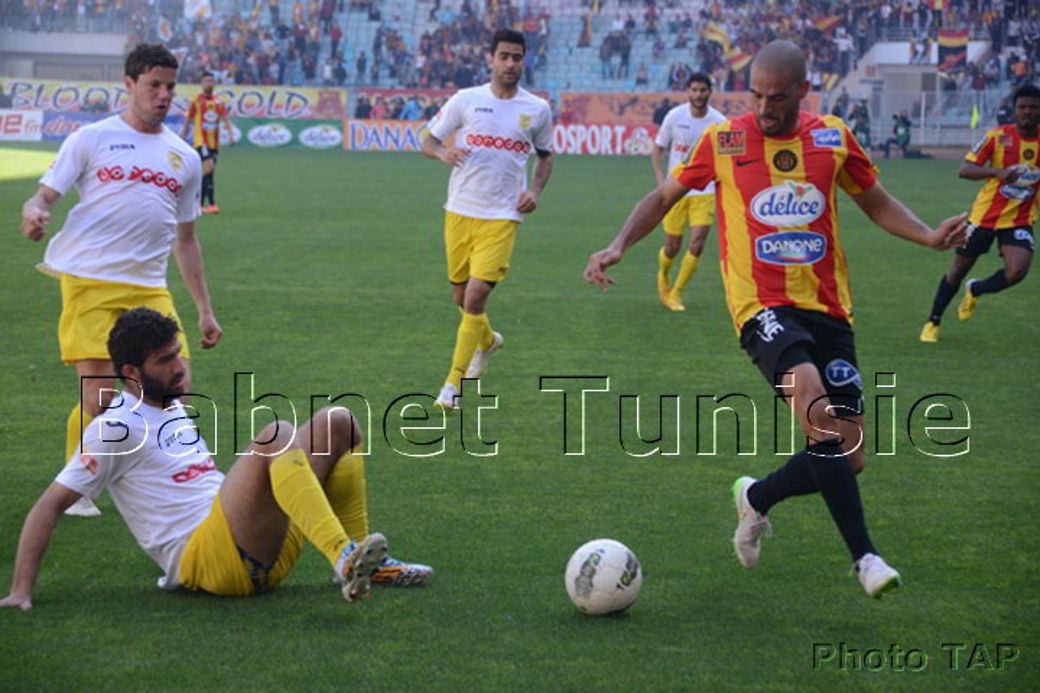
{"points": [[860, 120], [379, 109], [624, 49], [642, 77], [361, 64], [900, 133], [606, 54], [335, 36], [363, 109], [5, 99], [412, 109]]}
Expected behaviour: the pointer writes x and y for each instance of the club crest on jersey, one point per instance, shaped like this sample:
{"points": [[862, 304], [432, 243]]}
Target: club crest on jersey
{"points": [[525, 122], [732, 142], [1028, 154], [791, 247], [790, 204], [785, 160], [840, 372], [828, 137], [175, 160]]}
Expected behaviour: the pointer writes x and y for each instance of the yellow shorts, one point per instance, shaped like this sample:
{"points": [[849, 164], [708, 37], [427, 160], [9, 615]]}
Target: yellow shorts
{"points": [[90, 307], [478, 248], [695, 210], [211, 561]]}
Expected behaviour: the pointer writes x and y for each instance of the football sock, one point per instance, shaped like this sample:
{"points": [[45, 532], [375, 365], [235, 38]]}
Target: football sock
{"points": [[486, 339], [300, 496], [664, 263], [992, 284], [345, 489], [471, 329], [74, 429], [207, 188], [793, 479], [686, 270], [943, 295], [837, 483]]}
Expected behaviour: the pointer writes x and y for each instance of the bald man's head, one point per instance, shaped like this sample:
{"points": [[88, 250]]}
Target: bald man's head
{"points": [[777, 87], [781, 57]]}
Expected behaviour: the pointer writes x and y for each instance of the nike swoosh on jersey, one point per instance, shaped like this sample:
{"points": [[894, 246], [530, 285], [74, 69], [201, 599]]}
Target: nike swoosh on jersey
{"points": [[745, 162]]}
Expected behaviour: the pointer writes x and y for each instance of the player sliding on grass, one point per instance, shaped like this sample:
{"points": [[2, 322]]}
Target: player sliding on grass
{"points": [[233, 535], [776, 171]]}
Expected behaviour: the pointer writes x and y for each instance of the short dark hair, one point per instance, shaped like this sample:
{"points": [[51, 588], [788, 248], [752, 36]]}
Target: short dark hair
{"points": [[145, 56], [701, 77], [205, 74], [507, 36], [136, 334], [1027, 90]]}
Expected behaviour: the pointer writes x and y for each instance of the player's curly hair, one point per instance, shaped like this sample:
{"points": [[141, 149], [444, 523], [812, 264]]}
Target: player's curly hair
{"points": [[136, 334], [145, 56], [1027, 90]]}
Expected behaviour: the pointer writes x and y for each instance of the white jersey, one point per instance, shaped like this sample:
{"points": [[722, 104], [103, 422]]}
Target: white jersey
{"points": [[500, 135], [680, 132], [158, 471], [134, 188]]}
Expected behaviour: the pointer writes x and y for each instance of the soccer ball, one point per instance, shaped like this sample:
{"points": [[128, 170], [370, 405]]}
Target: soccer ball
{"points": [[602, 577]]}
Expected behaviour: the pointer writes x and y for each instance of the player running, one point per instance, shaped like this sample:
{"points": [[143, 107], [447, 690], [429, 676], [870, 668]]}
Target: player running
{"points": [[496, 127], [679, 132], [1005, 209], [204, 117], [784, 271]]}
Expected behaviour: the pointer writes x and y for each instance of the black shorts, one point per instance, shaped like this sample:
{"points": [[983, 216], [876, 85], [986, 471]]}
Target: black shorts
{"points": [[207, 153], [778, 339], [980, 239]]}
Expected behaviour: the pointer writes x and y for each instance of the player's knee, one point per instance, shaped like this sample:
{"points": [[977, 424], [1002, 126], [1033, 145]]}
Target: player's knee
{"points": [[672, 244], [275, 438], [1016, 273], [345, 432]]}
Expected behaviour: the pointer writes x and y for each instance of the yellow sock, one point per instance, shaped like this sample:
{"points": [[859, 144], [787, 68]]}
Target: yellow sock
{"points": [[689, 266], [300, 496], [345, 489], [73, 429], [470, 331], [664, 262], [486, 339]]}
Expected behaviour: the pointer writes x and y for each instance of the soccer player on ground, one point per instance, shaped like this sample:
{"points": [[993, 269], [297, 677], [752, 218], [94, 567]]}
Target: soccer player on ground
{"points": [[496, 127], [204, 116], [234, 535], [138, 185], [1005, 209], [777, 171], [679, 132]]}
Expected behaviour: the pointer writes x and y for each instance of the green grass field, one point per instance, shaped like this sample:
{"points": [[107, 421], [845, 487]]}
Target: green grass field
{"points": [[328, 277]]}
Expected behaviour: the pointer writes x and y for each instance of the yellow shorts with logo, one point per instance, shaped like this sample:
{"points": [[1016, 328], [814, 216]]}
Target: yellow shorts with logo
{"points": [[90, 307], [478, 248], [692, 210], [211, 560]]}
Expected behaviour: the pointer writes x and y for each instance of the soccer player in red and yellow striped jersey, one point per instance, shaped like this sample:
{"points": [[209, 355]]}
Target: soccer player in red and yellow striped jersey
{"points": [[204, 117], [777, 172], [1005, 209]]}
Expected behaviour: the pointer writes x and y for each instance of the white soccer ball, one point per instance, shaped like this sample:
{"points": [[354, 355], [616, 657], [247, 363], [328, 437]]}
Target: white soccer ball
{"points": [[603, 576]]}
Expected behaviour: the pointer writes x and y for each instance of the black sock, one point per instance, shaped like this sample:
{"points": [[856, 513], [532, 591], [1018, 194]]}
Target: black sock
{"points": [[943, 295], [793, 479], [207, 188], [992, 284], [837, 483]]}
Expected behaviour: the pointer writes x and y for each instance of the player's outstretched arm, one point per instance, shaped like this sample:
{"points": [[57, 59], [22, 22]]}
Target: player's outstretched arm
{"points": [[641, 221], [973, 171], [36, 534], [433, 149], [894, 217], [188, 252], [36, 212]]}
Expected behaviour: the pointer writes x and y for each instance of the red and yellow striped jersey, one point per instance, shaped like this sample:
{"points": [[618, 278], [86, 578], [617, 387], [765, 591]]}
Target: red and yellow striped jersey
{"points": [[1002, 205], [777, 213], [206, 112]]}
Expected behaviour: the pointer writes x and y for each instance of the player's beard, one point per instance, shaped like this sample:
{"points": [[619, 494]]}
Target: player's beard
{"points": [[160, 392]]}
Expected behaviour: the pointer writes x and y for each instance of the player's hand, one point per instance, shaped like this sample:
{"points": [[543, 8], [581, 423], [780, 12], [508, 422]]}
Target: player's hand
{"points": [[951, 232], [596, 270], [527, 202], [23, 602], [1009, 175], [34, 222], [211, 331], [453, 156]]}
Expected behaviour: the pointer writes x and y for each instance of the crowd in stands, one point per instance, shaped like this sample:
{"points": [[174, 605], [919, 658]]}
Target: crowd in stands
{"points": [[264, 46]]}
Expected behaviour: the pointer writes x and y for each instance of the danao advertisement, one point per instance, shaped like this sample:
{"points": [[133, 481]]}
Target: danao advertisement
{"points": [[280, 102], [384, 135]]}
